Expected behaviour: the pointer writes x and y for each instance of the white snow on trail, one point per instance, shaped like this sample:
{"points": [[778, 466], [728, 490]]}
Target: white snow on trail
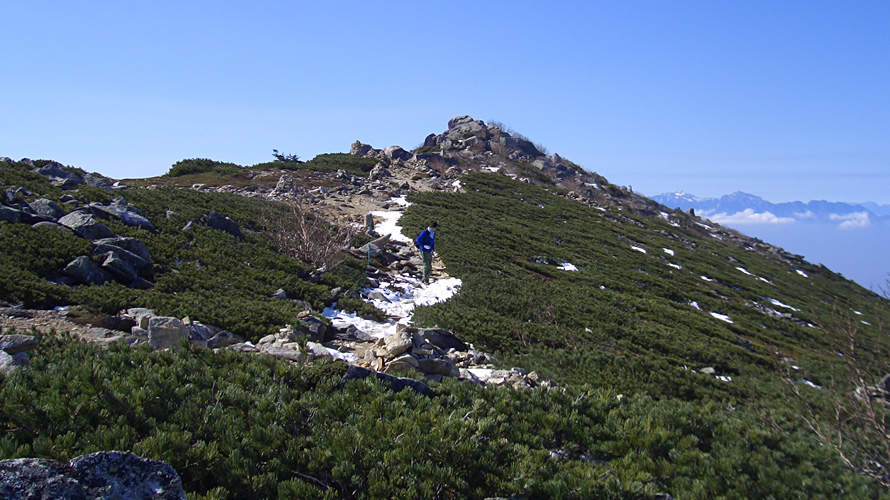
{"points": [[390, 225], [397, 296]]}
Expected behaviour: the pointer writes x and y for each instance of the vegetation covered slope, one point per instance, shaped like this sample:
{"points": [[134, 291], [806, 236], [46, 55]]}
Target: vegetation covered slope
{"points": [[620, 336]]}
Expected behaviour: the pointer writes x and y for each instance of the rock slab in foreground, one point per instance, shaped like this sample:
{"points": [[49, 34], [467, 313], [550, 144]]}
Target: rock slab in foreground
{"points": [[103, 475]]}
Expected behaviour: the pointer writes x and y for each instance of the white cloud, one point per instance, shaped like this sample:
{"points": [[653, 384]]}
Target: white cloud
{"points": [[852, 221], [805, 215], [748, 216]]}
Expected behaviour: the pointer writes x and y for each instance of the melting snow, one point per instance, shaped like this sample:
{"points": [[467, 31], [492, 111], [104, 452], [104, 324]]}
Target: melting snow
{"points": [[723, 378], [708, 279], [390, 225], [801, 273], [742, 269], [456, 184], [704, 225], [866, 323], [761, 278], [721, 317], [400, 200], [786, 306], [491, 169], [857, 313], [400, 294], [807, 382], [675, 266], [668, 251], [638, 249], [695, 305], [567, 266]]}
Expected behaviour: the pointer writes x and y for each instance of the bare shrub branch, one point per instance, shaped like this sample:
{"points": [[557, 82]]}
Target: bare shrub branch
{"points": [[304, 234]]}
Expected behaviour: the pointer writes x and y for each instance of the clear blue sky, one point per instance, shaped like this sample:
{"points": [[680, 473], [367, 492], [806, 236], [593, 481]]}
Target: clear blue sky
{"points": [[786, 100]]}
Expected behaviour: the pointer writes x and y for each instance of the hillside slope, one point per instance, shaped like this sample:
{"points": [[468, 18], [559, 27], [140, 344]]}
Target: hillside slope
{"points": [[678, 348]]}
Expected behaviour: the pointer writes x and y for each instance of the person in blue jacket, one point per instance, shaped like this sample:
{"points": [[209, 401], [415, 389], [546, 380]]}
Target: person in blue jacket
{"points": [[426, 242]]}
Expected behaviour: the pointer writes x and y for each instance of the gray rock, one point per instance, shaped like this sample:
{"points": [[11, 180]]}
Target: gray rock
{"points": [[116, 264], [312, 327], [398, 343], [279, 294], [50, 225], [395, 383], [104, 475], [360, 149], [85, 272], [708, 371], [165, 332], [396, 153], [223, 339], [47, 208], [94, 180], [120, 209], [438, 366], [7, 364], [442, 339], [9, 214], [60, 177], [86, 226], [217, 221], [133, 245], [140, 315], [283, 353], [353, 334], [138, 263], [317, 351], [21, 359], [12, 344]]}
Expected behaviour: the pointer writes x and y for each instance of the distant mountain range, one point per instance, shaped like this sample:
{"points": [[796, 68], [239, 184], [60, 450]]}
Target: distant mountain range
{"points": [[744, 208]]}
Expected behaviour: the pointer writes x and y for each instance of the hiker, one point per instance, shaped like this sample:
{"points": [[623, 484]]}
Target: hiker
{"points": [[426, 242]]}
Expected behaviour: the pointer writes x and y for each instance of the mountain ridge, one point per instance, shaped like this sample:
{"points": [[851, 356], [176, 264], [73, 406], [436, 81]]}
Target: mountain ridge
{"points": [[668, 336]]}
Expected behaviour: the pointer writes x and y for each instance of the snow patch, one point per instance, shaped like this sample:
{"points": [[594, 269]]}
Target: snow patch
{"points": [[786, 306], [745, 271], [807, 382], [456, 184], [801, 273], [708, 279], [722, 317], [668, 251], [567, 266], [695, 305], [491, 169], [390, 225], [638, 249], [675, 266]]}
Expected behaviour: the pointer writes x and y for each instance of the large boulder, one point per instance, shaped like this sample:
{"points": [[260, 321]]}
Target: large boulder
{"points": [[104, 475], [137, 262], [9, 214], [121, 209], [47, 208], [86, 226], [360, 149], [165, 332], [215, 220], [132, 245], [396, 153], [59, 177], [118, 266], [395, 383], [84, 271], [440, 338]]}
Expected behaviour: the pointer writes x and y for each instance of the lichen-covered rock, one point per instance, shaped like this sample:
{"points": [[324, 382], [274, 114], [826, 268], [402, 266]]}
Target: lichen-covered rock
{"points": [[104, 475], [17, 343], [164, 332], [86, 226]]}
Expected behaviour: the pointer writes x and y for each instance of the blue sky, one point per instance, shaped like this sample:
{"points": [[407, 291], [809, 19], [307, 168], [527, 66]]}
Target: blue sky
{"points": [[786, 100]]}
